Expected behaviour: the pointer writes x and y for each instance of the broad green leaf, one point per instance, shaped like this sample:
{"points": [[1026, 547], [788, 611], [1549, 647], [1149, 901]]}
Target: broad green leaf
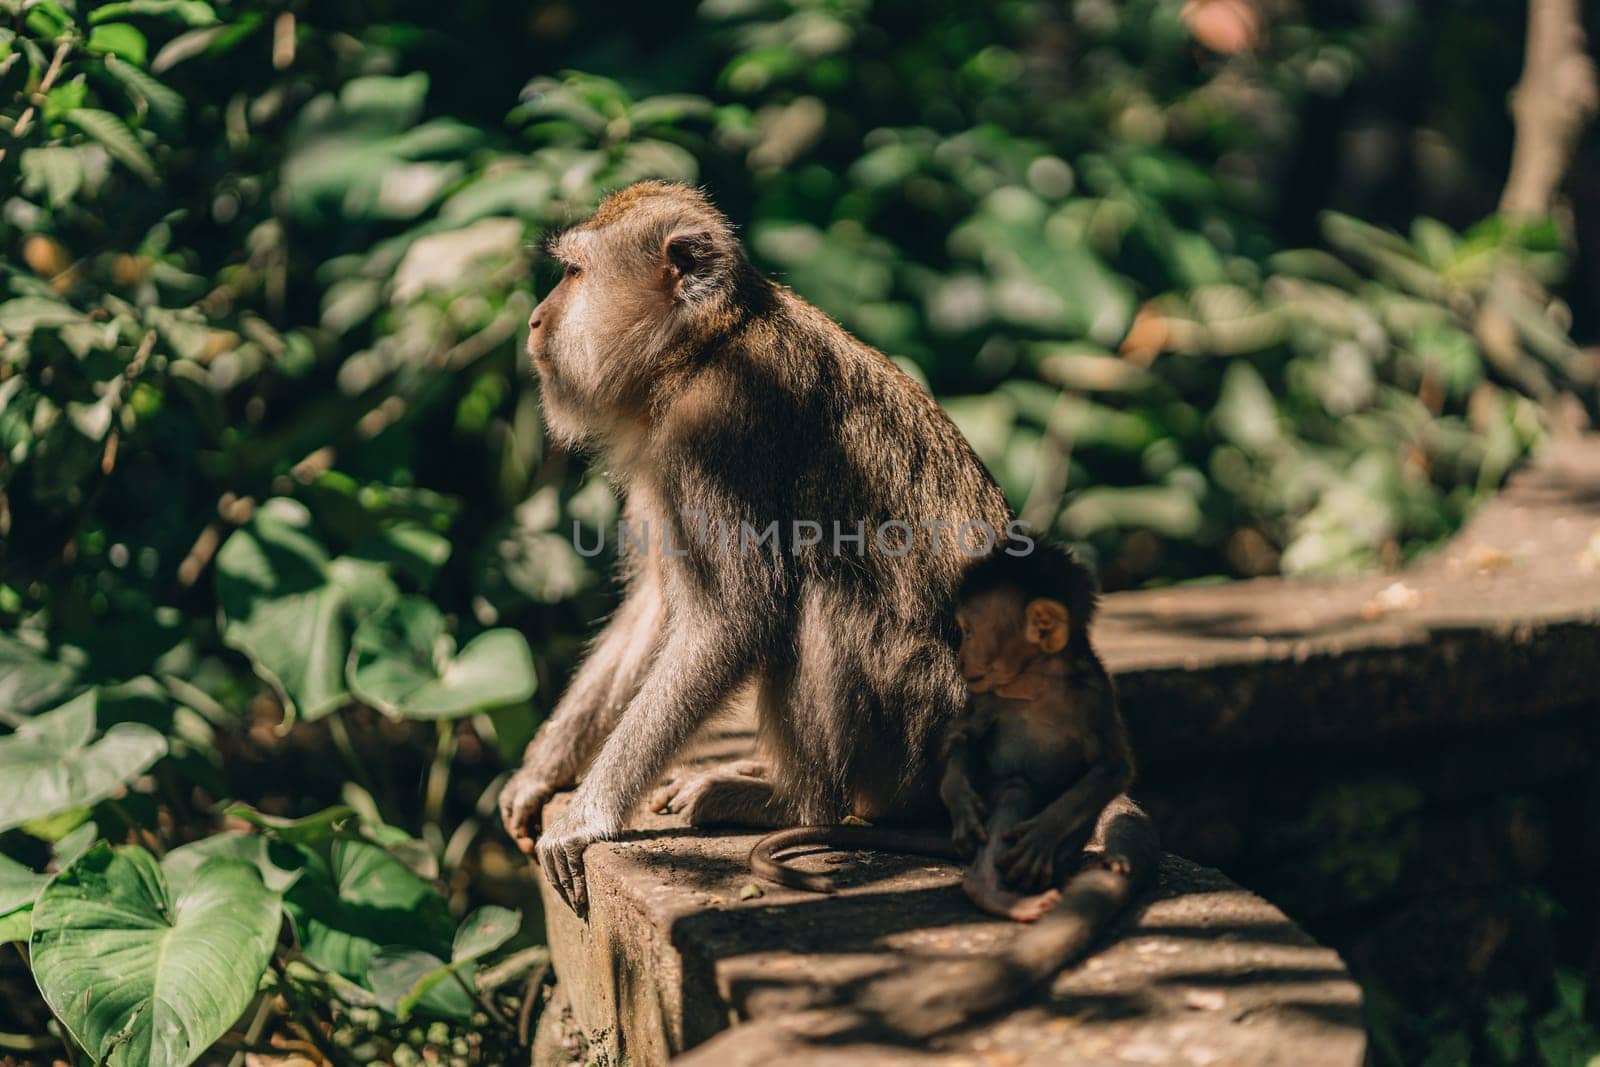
{"points": [[277, 863], [22, 316], [62, 828], [65, 98], [306, 830], [117, 139], [73, 844], [118, 39], [27, 679], [360, 899], [18, 885], [142, 977], [49, 765], [286, 606], [57, 171], [406, 665], [46, 18], [405, 979], [16, 926], [413, 854], [164, 102], [484, 931], [189, 12]]}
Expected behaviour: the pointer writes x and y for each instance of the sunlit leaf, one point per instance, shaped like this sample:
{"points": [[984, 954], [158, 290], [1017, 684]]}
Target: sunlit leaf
{"points": [[406, 979], [360, 899], [118, 39], [189, 12], [118, 140], [143, 976], [50, 764], [406, 665]]}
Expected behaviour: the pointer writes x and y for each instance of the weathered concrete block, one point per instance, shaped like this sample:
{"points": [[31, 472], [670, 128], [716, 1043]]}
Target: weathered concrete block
{"points": [[673, 955]]}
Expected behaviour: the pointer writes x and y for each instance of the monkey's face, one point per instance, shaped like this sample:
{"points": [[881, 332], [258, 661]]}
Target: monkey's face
{"points": [[635, 280], [1003, 633], [571, 342]]}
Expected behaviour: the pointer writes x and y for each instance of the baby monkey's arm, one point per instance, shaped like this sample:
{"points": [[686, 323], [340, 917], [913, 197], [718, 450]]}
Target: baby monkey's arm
{"points": [[1029, 862], [960, 796]]}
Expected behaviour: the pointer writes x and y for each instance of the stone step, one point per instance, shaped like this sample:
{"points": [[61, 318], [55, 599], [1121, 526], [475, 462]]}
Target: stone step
{"points": [[677, 950]]}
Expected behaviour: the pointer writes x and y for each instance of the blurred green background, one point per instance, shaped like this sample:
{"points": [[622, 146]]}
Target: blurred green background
{"points": [[1216, 289]]}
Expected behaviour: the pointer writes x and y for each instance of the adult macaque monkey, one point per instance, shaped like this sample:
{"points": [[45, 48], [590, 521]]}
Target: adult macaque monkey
{"points": [[839, 493]]}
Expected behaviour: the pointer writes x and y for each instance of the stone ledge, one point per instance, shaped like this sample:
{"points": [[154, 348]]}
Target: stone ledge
{"points": [[1206, 973], [1451, 641]]}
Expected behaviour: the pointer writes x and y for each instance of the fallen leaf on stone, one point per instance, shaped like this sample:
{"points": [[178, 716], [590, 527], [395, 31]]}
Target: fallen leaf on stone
{"points": [[1487, 559], [1204, 999], [1396, 597], [853, 820], [1589, 558], [749, 891]]}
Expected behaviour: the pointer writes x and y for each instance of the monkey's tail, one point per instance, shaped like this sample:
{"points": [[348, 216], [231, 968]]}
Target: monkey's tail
{"points": [[930, 998], [765, 864], [1091, 902]]}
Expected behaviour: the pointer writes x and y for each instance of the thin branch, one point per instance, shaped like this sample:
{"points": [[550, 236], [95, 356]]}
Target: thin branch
{"points": [[45, 85]]}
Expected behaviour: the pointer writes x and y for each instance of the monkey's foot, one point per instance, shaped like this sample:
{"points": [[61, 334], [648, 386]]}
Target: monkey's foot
{"points": [[989, 896], [1030, 909], [730, 794]]}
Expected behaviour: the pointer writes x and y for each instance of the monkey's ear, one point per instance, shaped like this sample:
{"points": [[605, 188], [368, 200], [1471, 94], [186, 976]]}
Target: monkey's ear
{"points": [[1047, 624], [687, 258]]}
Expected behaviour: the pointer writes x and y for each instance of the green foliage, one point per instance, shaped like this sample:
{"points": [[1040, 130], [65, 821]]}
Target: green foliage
{"points": [[141, 975], [277, 520], [48, 765]]}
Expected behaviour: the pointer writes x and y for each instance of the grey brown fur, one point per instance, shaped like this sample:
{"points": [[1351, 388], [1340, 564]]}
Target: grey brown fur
{"points": [[709, 388]]}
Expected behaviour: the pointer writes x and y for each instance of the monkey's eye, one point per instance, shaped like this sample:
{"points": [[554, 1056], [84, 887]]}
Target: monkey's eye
{"points": [[572, 270]]}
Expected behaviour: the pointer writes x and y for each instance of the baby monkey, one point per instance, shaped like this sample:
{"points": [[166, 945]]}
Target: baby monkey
{"points": [[1034, 776], [1036, 767]]}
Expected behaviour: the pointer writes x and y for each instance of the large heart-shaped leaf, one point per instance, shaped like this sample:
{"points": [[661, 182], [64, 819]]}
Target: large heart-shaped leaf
{"points": [[289, 607], [360, 899], [484, 931], [142, 978], [278, 864], [406, 979], [17, 925], [406, 665], [19, 885], [28, 680], [49, 765]]}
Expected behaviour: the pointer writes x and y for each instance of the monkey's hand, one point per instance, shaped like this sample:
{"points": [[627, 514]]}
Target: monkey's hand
{"points": [[1029, 864], [560, 851], [522, 801]]}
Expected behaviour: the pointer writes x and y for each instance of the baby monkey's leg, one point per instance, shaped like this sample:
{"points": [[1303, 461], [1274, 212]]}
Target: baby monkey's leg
{"points": [[1012, 801]]}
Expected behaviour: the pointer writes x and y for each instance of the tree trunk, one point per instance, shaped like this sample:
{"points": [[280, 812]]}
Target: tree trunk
{"points": [[1550, 106]]}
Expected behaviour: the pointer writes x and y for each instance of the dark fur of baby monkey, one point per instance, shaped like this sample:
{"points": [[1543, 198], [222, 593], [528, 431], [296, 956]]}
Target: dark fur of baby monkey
{"points": [[1034, 777], [726, 410]]}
